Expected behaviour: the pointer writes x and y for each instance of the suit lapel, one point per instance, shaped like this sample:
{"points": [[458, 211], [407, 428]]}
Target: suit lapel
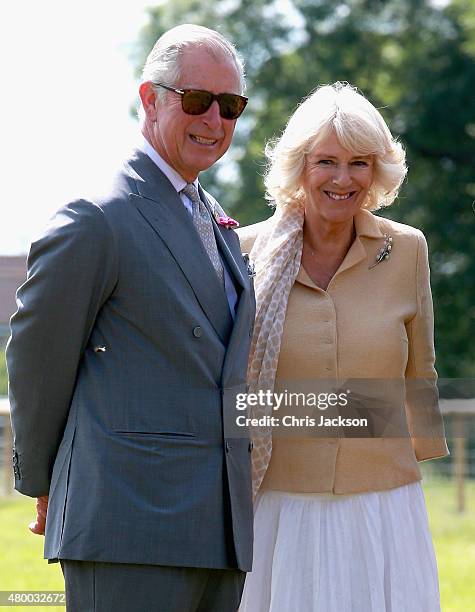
{"points": [[160, 205], [228, 244]]}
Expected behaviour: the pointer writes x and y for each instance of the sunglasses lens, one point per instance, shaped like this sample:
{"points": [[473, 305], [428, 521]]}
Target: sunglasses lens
{"points": [[231, 105], [196, 102]]}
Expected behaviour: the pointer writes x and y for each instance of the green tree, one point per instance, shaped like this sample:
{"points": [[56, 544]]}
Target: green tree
{"points": [[412, 60]]}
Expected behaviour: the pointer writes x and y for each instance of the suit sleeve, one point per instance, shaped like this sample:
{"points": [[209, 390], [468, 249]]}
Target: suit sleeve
{"points": [[422, 406], [72, 269]]}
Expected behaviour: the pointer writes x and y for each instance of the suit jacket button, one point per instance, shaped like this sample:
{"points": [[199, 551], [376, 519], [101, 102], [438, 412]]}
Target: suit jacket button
{"points": [[197, 332]]}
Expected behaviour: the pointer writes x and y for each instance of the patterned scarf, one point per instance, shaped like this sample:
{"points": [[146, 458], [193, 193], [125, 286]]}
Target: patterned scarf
{"points": [[276, 255]]}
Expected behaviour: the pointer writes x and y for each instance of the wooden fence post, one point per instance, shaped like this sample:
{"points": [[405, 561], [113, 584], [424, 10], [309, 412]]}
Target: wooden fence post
{"points": [[460, 460]]}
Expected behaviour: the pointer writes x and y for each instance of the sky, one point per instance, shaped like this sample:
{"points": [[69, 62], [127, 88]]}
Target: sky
{"points": [[65, 122]]}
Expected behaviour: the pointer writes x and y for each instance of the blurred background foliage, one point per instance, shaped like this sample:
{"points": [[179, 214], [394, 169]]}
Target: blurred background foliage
{"points": [[414, 59]]}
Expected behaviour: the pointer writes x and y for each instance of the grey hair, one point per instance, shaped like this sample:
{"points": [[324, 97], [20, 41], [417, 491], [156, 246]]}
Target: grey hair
{"points": [[163, 62], [359, 127]]}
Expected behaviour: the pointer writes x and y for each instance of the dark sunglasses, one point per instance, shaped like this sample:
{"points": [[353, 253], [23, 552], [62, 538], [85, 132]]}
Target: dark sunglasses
{"points": [[197, 102]]}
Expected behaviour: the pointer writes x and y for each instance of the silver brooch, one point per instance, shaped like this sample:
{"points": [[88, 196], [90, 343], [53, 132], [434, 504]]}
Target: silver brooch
{"points": [[385, 251], [251, 271]]}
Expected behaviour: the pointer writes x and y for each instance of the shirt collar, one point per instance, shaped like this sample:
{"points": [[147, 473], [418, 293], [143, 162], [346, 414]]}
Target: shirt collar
{"points": [[172, 175]]}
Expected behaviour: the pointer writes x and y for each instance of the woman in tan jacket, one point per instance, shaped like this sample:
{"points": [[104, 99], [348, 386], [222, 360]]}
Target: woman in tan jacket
{"points": [[343, 302]]}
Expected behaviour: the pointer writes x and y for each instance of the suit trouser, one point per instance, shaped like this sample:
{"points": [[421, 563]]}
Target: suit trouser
{"points": [[121, 587]]}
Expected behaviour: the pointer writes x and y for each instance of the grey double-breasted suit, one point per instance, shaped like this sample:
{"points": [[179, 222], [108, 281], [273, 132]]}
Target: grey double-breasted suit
{"points": [[123, 361]]}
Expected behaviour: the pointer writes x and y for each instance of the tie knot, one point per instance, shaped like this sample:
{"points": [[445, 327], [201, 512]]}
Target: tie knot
{"points": [[191, 192]]}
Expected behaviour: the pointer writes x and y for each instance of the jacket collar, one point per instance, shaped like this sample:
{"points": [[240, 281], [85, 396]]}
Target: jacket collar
{"points": [[367, 225]]}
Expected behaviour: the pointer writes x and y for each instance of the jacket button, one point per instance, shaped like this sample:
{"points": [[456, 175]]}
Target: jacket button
{"points": [[197, 332]]}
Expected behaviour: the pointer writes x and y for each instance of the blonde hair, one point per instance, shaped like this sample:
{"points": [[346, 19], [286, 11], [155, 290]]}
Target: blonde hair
{"points": [[359, 127]]}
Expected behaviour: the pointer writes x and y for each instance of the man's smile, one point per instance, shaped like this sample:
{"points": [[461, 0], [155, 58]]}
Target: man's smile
{"points": [[203, 141]]}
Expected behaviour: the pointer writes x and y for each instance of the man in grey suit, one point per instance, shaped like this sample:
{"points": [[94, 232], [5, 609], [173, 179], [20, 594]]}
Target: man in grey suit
{"points": [[128, 348]]}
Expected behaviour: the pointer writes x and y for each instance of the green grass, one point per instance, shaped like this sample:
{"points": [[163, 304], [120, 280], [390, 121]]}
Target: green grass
{"points": [[3, 370], [454, 541], [22, 566]]}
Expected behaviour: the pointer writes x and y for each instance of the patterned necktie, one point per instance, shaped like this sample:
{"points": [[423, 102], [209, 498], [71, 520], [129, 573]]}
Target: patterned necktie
{"points": [[204, 225]]}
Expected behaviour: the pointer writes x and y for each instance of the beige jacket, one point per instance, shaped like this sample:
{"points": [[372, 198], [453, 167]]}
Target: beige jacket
{"points": [[370, 323]]}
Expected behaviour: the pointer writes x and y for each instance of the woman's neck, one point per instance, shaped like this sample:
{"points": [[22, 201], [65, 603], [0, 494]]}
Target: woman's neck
{"points": [[328, 238], [325, 246]]}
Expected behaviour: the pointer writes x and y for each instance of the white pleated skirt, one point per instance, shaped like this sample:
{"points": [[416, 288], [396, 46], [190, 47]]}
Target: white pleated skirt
{"points": [[366, 552]]}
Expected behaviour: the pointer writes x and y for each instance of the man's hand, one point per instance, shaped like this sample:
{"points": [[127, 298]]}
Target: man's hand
{"points": [[38, 527]]}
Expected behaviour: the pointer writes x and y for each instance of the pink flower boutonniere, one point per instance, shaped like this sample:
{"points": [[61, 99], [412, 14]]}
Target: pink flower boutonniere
{"points": [[227, 222]]}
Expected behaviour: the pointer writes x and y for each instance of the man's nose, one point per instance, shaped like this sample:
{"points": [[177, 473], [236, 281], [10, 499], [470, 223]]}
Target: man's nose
{"points": [[212, 118]]}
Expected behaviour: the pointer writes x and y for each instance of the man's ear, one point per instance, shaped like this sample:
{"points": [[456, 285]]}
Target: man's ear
{"points": [[149, 98]]}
